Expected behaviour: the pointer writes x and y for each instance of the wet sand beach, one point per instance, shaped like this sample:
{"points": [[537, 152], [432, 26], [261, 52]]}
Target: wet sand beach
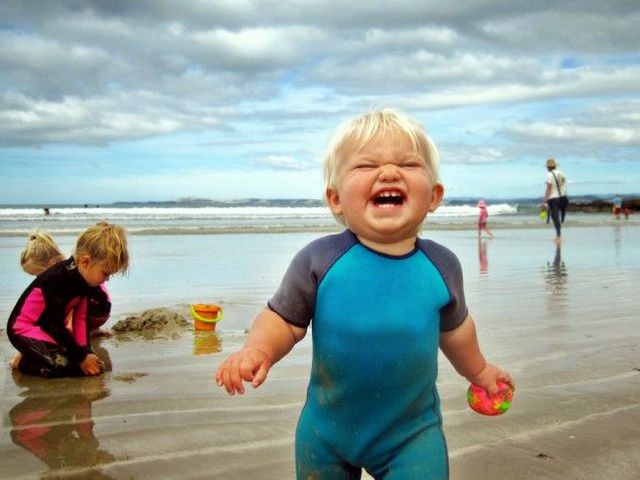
{"points": [[564, 321]]}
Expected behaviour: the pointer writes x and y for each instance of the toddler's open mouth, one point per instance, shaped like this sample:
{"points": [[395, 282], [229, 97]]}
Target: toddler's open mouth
{"points": [[388, 199]]}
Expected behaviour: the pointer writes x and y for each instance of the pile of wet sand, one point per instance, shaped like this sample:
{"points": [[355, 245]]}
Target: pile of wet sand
{"points": [[154, 323]]}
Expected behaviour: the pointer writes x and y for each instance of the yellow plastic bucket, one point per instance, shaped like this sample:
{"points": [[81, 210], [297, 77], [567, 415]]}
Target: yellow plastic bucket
{"points": [[206, 315]]}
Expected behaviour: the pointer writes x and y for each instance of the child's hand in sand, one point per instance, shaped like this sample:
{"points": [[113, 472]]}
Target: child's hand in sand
{"points": [[92, 365], [249, 364], [488, 378], [15, 361]]}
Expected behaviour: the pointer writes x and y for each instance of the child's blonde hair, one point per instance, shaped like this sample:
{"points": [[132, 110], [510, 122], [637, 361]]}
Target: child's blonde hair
{"points": [[355, 134], [104, 242], [40, 253]]}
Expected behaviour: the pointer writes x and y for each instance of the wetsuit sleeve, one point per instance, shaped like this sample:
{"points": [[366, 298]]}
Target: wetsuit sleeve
{"points": [[453, 313], [295, 299], [98, 307], [52, 322]]}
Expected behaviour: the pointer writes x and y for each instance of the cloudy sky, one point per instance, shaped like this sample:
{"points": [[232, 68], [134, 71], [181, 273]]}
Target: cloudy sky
{"points": [[105, 101]]}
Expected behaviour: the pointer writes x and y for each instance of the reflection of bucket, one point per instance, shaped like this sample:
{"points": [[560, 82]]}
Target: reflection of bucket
{"points": [[205, 343], [206, 316]]}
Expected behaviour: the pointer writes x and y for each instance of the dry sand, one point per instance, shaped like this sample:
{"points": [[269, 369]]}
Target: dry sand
{"points": [[566, 326]]}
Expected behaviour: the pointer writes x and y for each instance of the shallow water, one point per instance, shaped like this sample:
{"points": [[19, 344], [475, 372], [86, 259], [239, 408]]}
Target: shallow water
{"points": [[170, 270]]}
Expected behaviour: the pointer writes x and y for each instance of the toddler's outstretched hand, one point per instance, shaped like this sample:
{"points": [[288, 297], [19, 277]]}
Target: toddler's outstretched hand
{"points": [[249, 364], [488, 378]]}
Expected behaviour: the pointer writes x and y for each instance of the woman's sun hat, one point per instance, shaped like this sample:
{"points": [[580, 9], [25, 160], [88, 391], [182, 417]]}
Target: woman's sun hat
{"points": [[551, 163], [482, 204]]}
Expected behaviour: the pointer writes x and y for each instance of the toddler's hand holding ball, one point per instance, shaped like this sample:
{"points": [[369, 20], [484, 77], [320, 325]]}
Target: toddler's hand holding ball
{"points": [[480, 401]]}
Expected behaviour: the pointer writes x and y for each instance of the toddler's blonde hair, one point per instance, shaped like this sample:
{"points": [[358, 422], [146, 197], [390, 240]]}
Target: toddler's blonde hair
{"points": [[40, 253], [105, 242]]}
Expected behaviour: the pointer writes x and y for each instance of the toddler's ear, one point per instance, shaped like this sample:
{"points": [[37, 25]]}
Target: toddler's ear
{"points": [[333, 201], [437, 193]]}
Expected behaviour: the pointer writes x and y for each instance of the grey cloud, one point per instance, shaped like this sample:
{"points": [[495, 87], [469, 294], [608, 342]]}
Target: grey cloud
{"points": [[284, 162], [473, 154], [612, 124], [571, 131], [96, 72]]}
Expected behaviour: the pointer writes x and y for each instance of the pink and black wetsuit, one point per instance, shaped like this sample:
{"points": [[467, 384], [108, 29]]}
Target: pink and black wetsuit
{"points": [[36, 326]]}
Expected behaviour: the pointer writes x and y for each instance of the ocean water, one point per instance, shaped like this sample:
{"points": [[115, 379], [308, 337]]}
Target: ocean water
{"points": [[172, 270], [194, 220], [238, 255], [244, 269], [179, 254]]}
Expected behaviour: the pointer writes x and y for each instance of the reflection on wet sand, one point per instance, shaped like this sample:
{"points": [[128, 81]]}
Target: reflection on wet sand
{"points": [[483, 258], [58, 429], [56, 425], [617, 239], [556, 276], [205, 343]]}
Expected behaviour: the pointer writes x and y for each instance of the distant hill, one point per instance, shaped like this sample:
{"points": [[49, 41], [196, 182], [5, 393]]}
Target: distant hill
{"points": [[584, 203], [578, 199], [247, 202]]}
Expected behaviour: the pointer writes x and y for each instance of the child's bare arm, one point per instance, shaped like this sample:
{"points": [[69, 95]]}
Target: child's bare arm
{"points": [[269, 339], [463, 351]]}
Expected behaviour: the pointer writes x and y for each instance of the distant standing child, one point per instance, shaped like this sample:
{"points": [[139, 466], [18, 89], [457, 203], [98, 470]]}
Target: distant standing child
{"points": [[618, 207], [381, 301], [482, 219], [41, 253], [36, 326]]}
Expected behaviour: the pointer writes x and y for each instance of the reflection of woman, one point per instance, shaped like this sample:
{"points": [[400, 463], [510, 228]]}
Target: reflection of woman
{"points": [[58, 429], [557, 274]]}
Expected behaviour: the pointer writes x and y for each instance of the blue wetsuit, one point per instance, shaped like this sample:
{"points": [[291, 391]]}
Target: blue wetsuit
{"points": [[372, 400]]}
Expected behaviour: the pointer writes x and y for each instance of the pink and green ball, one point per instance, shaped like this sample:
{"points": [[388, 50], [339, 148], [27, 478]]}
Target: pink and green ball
{"points": [[480, 401]]}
